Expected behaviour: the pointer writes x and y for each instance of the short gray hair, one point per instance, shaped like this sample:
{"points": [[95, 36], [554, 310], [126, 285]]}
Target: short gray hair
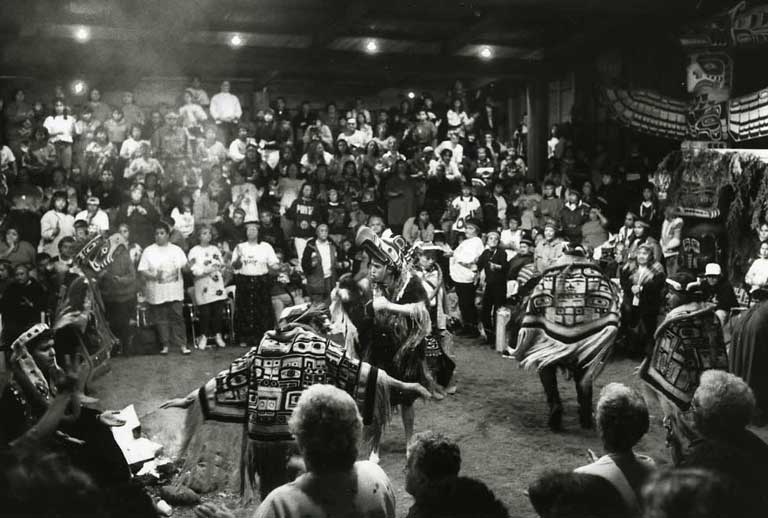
{"points": [[327, 426], [622, 417], [722, 402]]}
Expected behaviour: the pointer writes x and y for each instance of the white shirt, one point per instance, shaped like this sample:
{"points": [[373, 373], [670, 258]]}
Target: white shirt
{"points": [[356, 139], [192, 115], [54, 226], [256, 258], [6, 158], [60, 128], [166, 263], [225, 107], [97, 224], [324, 249], [466, 207], [468, 251], [458, 151], [130, 148], [184, 222]]}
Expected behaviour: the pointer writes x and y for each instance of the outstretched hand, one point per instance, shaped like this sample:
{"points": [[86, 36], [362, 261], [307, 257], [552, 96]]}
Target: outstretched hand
{"points": [[179, 402], [419, 390], [111, 418]]}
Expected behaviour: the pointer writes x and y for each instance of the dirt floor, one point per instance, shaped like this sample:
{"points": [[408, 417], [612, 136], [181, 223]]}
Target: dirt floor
{"points": [[498, 417]]}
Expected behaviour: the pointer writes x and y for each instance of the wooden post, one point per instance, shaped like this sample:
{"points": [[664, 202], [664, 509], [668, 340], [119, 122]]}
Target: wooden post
{"points": [[538, 107]]}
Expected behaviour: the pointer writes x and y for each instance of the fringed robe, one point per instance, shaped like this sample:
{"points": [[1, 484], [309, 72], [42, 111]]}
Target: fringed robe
{"points": [[260, 390]]}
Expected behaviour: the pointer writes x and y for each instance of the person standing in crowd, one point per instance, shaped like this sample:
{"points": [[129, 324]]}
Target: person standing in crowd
{"points": [[96, 219], [140, 216], [226, 111], [22, 305], [254, 262], [401, 197], [61, 130], [594, 232], [748, 356], [719, 291], [207, 266], [642, 282], [463, 272], [118, 287], [305, 215], [573, 216], [550, 249], [493, 261], [55, 225], [161, 268], [319, 263], [642, 237], [671, 228], [418, 228]]}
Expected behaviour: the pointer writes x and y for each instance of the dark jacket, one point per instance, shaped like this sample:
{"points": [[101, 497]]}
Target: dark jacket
{"points": [[303, 213], [312, 265], [141, 221], [119, 281], [494, 278], [571, 221]]}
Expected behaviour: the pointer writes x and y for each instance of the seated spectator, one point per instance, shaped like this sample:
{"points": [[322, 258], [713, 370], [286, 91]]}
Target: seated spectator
{"points": [[576, 495], [328, 428], [419, 228], [572, 216], [183, 216], [622, 420], [460, 497], [143, 165], [352, 135], [132, 113], [723, 406], [55, 224], [430, 458], [139, 215], [14, 250], [719, 291], [691, 493], [757, 275]]}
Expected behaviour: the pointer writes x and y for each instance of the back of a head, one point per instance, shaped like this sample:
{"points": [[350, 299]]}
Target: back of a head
{"points": [[434, 455], [462, 497], [575, 495], [722, 403], [622, 417], [327, 426], [690, 493], [42, 485]]}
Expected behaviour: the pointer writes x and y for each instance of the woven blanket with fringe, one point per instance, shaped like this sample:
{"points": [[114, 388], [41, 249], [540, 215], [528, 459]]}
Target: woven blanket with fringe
{"points": [[571, 319], [263, 387], [688, 342]]}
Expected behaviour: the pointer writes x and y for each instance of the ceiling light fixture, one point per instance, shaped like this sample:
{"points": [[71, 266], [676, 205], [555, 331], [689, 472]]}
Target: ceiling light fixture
{"points": [[486, 53], [236, 40], [78, 87], [371, 47], [82, 34], [411, 95]]}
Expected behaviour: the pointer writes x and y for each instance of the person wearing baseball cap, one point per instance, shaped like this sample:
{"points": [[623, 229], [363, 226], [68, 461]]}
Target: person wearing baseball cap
{"points": [[719, 291], [96, 219], [463, 270]]}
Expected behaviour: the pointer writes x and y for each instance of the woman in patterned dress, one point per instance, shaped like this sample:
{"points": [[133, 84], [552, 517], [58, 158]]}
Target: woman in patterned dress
{"points": [[206, 264]]}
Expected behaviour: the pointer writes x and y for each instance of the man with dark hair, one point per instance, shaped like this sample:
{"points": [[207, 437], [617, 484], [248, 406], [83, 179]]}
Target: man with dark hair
{"points": [[460, 497]]}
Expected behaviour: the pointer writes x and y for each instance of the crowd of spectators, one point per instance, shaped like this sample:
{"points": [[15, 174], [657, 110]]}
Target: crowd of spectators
{"points": [[209, 198]]}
